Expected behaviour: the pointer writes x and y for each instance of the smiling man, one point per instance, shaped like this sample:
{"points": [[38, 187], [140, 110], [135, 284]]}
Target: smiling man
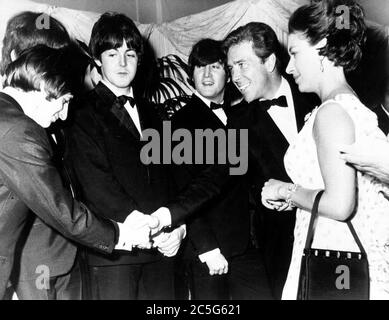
{"points": [[273, 111], [222, 262]]}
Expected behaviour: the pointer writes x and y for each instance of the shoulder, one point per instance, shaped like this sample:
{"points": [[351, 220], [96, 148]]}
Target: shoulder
{"points": [[186, 112], [333, 120]]}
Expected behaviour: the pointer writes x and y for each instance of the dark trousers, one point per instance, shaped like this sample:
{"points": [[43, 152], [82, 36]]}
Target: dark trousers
{"points": [[63, 287], [149, 281], [245, 280]]}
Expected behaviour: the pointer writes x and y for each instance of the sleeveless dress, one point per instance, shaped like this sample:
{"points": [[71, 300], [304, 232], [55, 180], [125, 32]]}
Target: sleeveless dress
{"points": [[371, 220]]}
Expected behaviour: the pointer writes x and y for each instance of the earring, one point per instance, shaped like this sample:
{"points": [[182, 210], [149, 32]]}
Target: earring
{"points": [[321, 66]]}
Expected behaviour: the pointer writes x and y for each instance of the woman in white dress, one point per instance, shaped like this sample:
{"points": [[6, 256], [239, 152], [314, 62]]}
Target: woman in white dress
{"points": [[325, 42]]}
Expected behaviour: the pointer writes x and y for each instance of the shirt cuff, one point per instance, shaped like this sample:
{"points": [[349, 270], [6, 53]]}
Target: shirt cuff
{"points": [[205, 256]]}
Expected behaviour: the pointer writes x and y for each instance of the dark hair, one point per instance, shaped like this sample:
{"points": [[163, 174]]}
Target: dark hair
{"points": [[327, 19], [110, 30], [204, 52], [23, 31], [264, 41], [37, 64]]}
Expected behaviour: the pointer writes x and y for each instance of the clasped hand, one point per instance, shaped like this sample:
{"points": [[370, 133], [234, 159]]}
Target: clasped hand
{"points": [[144, 231], [271, 195], [136, 230]]}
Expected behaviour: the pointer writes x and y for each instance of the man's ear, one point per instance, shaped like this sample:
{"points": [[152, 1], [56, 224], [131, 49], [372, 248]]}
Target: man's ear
{"points": [[13, 55], [270, 63]]}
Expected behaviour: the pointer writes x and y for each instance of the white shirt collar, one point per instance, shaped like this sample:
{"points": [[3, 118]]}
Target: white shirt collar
{"points": [[205, 100], [283, 90], [115, 90]]}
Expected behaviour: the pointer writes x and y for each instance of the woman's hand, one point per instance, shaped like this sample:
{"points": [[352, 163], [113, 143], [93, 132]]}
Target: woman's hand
{"points": [[274, 194]]}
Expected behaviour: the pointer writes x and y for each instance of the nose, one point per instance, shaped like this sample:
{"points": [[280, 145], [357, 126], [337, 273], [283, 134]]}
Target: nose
{"points": [[207, 71], [235, 75], [123, 60], [290, 67]]}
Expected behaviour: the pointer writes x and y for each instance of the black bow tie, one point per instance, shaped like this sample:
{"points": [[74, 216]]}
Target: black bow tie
{"points": [[215, 106], [122, 100], [280, 102]]}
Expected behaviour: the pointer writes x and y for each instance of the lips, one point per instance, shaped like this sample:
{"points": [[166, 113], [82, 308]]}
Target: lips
{"points": [[207, 83]]}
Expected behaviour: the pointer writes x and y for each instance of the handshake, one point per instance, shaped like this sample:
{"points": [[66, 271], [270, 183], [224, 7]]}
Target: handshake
{"points": [[146, 231]]}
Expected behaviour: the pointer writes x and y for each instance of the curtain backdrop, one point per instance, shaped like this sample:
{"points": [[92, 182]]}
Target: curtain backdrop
{"points": [[178, 36]]}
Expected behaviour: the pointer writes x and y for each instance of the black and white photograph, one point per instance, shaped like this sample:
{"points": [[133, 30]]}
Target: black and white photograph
{"points": [[194, 155]]}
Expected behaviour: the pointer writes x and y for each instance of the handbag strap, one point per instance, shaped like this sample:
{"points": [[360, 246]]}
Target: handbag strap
{"points": [[314, 214]]}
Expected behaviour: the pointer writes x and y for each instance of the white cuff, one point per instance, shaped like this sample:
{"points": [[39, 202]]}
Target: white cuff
{"points": [[205, 256]]}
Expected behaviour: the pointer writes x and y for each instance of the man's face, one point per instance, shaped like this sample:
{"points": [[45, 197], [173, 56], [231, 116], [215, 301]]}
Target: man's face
{"points": [[118, 66], [47, 112], [248, 72], [210, 81]]}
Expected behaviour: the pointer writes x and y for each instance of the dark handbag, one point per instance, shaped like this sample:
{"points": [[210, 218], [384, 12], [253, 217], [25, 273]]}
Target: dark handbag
{"points": [[332, 275]]}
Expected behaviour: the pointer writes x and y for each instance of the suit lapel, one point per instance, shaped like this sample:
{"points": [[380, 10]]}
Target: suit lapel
{"points": [[270, 134], [383, 119], [120, 114], [206, 114]]}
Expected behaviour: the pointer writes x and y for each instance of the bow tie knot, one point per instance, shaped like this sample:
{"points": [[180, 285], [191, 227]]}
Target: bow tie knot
{"points": [[215, 106], [280, 101], [122, 100]]}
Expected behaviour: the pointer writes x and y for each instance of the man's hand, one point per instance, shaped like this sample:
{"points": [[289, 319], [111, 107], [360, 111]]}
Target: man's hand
{"points": [[169, 243], [162, 218], [135, 231], [216, 262], [370, 156]]}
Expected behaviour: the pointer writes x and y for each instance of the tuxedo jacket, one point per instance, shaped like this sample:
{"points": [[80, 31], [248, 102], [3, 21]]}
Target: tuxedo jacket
{"points": [[30, 181], [267, 148], [383, 119], [223, 220], [103, 151]]}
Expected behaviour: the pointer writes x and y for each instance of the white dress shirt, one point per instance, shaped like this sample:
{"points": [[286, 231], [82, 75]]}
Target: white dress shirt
{"points": [[132, 111], [285, 118]]}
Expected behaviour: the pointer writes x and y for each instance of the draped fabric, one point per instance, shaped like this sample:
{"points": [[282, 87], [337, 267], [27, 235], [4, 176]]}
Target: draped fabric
{"points": [[176, 37]]}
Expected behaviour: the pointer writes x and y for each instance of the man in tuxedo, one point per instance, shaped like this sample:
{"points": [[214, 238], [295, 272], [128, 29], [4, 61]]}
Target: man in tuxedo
{"points": [[273, 111], [222, 261], [36, 94], [104, 153], [40, 244]]}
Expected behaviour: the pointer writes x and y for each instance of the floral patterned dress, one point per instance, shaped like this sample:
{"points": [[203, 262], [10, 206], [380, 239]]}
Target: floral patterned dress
{"points": [[371, 220]]}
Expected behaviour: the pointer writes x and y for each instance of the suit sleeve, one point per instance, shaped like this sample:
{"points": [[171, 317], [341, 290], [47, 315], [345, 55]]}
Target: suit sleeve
{"points": [[87, 157], [201, 235], [27, 169], [203, 188]]}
